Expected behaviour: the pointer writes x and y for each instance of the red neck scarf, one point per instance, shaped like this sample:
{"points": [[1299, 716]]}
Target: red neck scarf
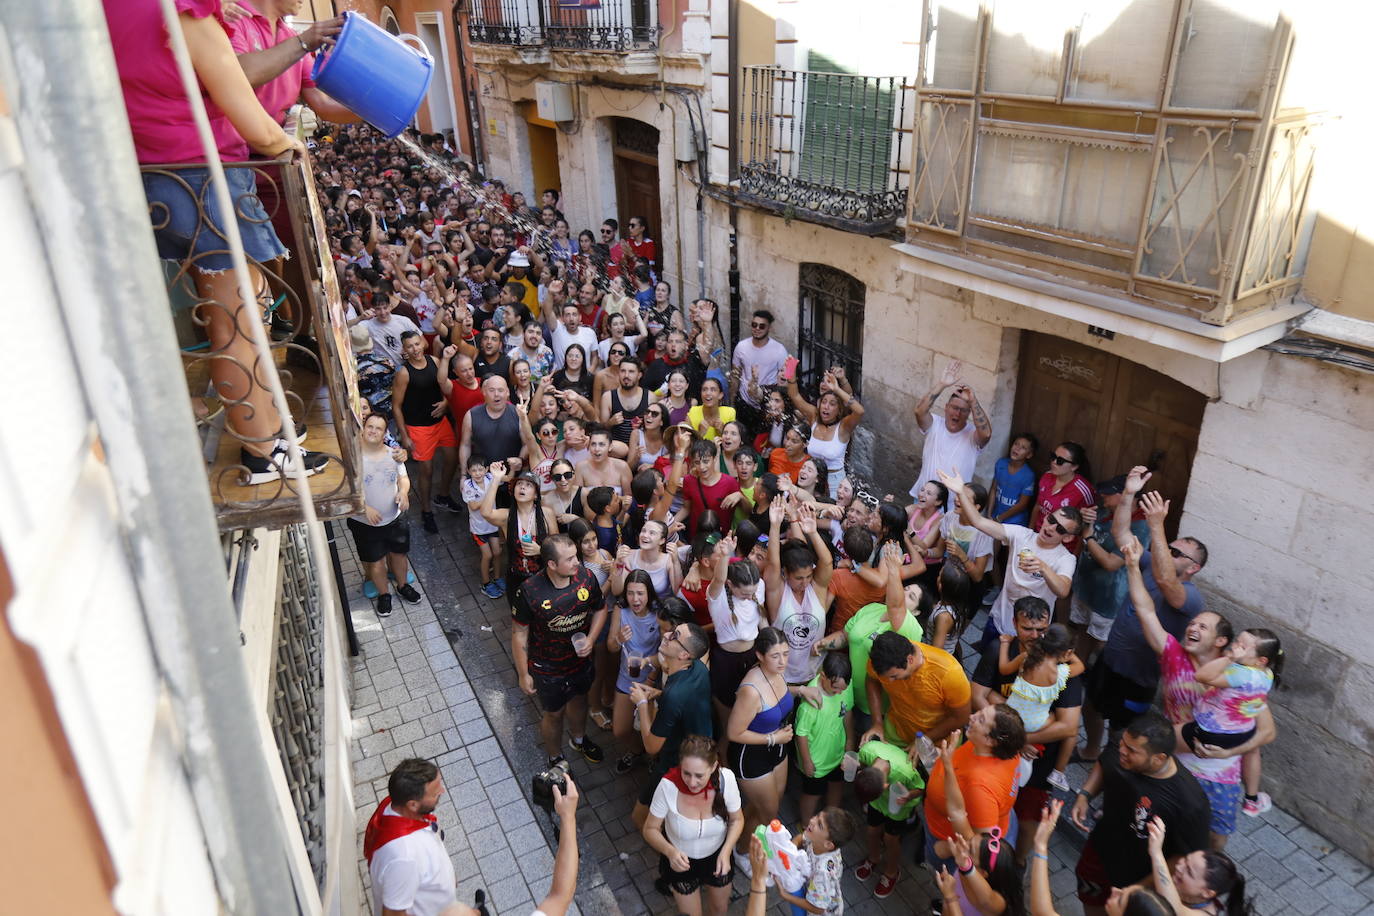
{"points": [[382, 828], [675, 777]]}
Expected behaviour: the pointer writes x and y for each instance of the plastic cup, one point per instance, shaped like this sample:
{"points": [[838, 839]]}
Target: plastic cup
{"points": [[579, 642], [850, 765], [895, 793], [633, 666]]}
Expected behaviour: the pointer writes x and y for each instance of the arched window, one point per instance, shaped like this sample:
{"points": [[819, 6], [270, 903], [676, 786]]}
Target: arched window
{"points": [[831, 331]]}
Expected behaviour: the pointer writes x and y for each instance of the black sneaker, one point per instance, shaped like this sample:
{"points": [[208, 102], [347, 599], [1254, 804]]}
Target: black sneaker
{"points": [[384, 605], [589, 749], [445, 503], [427, 519], [408, 593], [627, 763], [268, 469], [557, 760]]}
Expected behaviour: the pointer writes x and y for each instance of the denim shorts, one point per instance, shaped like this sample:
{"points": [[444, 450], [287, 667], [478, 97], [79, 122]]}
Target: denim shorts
{"points": [[183, 235]]}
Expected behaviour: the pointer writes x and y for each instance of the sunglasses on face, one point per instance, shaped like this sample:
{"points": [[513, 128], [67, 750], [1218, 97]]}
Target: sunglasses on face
{"points": [[1054, 523], [758, 325], [1060, 459], [567, 475], [1176, 553]]}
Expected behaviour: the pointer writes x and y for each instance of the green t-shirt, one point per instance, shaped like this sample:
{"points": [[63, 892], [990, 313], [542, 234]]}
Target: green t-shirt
{"points": [[864, 627], [823, 728], [902, 771]]}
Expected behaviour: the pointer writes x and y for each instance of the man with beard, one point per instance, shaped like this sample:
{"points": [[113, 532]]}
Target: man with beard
{"points": [[404, 847]]}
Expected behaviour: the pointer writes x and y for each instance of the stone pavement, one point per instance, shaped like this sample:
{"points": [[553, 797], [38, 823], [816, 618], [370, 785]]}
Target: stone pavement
{"points": [[436, 680]]}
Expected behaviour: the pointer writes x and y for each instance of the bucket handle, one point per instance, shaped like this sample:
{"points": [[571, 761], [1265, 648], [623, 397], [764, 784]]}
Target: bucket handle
{"points": [[422, 48]]}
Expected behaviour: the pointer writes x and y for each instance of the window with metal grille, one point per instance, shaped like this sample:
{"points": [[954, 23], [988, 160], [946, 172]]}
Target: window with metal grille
{"points": [[831, 326]]}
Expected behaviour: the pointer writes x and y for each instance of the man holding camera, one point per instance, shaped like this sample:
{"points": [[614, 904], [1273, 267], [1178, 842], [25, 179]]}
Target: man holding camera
{"points": [[558, 613]]}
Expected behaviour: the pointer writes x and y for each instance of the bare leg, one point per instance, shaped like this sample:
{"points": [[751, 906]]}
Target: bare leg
{"points": [[1251, 767], [400, 566], [551, 732], [577, 717], [806, 807], [892, 855], [717, 899], [1093, 725], [376, 573], [622, 719], [763, 795], [688, 904], [238, 379], [875, 845], [449, 456], [423, 479]]}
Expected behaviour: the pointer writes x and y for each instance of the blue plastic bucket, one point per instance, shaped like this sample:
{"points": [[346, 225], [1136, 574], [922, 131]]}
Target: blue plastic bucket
{"points": [[375, 74]]}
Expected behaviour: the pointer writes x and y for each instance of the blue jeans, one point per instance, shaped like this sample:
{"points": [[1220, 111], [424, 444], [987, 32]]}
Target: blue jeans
{"points": [[188, 223]]}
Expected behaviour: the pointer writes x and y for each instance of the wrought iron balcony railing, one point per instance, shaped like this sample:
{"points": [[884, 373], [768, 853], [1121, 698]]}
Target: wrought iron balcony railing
{"points": [[518, 23], [825, 147], [606, 25], [577, 25], [311, 352]]}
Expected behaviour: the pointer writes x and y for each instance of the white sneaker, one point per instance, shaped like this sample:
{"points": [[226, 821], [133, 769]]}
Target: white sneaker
{"points": [[1058, 780], [266, 470], [743, 864]]}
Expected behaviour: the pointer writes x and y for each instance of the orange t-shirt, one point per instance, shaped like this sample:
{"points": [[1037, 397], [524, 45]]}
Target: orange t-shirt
{"points": [[919, 702], [851, 593], [778, 464], [989, 788]]}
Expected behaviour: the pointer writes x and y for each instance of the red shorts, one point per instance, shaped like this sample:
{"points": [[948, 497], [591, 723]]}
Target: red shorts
{"points": [[427, 438], [1030, 804], [1094, 887]]}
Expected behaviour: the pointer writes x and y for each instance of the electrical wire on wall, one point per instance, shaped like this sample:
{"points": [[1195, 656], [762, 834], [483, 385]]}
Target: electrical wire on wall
{"points": [[1324, 351]]}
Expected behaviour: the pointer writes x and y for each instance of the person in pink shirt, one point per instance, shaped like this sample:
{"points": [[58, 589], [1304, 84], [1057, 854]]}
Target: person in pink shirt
{"points": [[187, 221]]}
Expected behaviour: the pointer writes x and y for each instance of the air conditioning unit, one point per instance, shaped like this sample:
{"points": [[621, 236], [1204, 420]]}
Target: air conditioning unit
{"points": [[553, 101]]}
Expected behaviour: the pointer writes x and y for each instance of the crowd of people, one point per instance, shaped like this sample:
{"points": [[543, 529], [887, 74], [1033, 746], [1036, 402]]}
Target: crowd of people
{"points": [[689, 566], [691, 570]]}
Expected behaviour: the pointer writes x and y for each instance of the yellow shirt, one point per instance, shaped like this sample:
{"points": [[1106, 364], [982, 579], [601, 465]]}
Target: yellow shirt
{"points": [[917, 703], [696, 414]]}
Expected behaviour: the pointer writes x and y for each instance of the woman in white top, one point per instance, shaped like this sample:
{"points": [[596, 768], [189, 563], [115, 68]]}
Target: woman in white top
{"points": [[833, 419], [694, 821], [733, 599], [797, 583], [647, 443], [652, 556], [618, 327]]}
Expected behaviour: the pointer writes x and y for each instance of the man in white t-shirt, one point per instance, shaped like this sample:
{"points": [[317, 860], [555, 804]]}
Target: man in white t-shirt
{"points": [[570, 331], [412, 874], [1039, 565], [758, 360], [955, 442]]}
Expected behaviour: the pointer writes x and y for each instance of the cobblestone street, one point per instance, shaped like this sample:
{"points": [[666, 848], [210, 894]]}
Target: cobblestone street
{"points": [[435, 680]]}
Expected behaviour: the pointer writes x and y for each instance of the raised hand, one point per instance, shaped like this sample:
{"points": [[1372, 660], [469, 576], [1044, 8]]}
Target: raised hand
{"points": [[1156, 840], [952, 374], [1131, 551], [1045, 829], [1154, 506], [952, 479], [1136, 480]]}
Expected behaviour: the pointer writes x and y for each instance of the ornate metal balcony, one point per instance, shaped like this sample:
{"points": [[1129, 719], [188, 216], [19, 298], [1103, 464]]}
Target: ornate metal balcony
{"points": [[312, 358], [825, 147], [518, 23], [602, 25]]}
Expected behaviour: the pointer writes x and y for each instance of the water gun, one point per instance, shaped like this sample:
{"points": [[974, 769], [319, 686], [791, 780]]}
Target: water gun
{"points": [[789, 866]]}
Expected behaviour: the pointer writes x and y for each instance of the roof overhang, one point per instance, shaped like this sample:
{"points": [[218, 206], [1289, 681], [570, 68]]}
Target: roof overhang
{"points": [[1172, 331]]}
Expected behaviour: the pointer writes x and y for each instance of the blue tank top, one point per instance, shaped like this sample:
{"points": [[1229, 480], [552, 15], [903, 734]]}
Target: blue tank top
{"points": [[770, 719]]}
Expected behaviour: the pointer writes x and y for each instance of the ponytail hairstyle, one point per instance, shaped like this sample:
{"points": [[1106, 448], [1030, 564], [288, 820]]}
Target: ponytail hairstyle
{"points": [[797, 555], [768, 638], [1267, 647], [747, 536], [1147, 903], [704, 749], [642, 489], [894, 521], [742, 573], [1224, 878]]}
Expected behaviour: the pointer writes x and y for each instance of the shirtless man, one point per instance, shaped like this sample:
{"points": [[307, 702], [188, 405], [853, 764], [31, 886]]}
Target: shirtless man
{"points": [[623, 407], [601, 469]]}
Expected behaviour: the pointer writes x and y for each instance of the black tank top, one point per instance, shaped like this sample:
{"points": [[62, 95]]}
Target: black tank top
{"points": [[621, 433], [495, 440], [422, 394]]}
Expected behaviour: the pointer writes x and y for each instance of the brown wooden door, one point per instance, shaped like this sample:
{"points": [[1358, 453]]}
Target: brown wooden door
{"points": [[1123, 413], [636, 194]]}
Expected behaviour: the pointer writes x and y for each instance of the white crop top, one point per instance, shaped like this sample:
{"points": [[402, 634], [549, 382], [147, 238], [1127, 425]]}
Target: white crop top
{"points": [[696, 839]]}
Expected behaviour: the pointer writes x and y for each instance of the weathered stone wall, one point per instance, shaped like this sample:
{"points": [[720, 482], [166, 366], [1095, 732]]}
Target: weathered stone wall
{"points": [[1275, 497]]}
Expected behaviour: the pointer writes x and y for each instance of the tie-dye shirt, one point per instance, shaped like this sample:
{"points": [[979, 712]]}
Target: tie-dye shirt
{"points": [[1232, 709], [1182, 694]]}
